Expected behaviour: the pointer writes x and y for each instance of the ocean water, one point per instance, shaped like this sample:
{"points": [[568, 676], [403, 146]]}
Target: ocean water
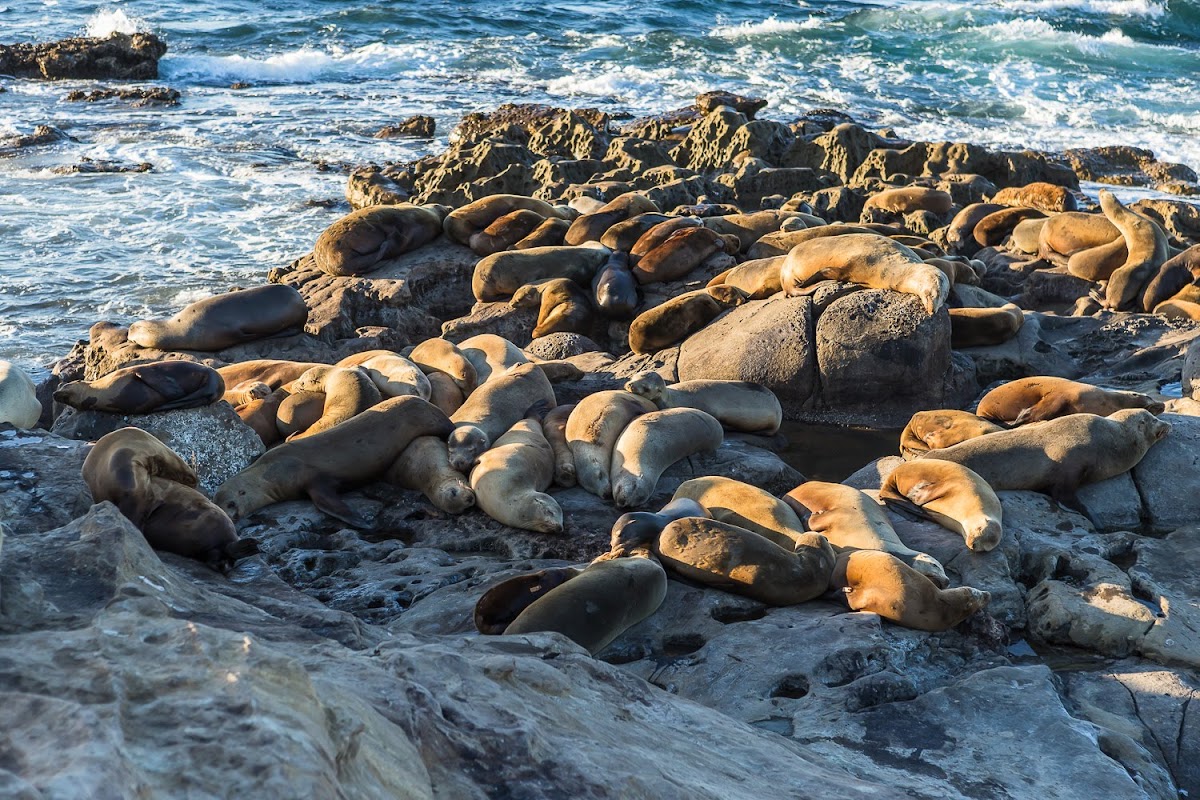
{"points": [[245, 179]]}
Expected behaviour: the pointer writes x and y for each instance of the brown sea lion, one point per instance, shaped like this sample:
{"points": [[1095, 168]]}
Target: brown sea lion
{"points": [[590, 227], [554, 426], [615, 289], [490, 354], [960, 234], [1043, 397], [1026, 235], [635, 530], [439, 355], [358, 450], [934, 430], [780, 244], [463, 223], [499, 275], [493, 409], [444, 393], [952, 496], [261, 415], [393, 374], [907, 199], [1179, 272], [995, 228], [297, 411], [425, 467], [659, 234], [956, 271], [882, 584], [563, 307], [737, 405], [1148, 251], [682, 252], [146, 388], [216, 323], [759, 278], [1046, 197], [246, 392], [983, 327], [1100, 262], [274, 373], [510, 480], [358, 242], [1070, 232], [622, 236], [653, 442], [746, 506], [348, 392], [749, 228], [155, 489], [671, 322], [505, 231], [549, 234], [592, 432]]}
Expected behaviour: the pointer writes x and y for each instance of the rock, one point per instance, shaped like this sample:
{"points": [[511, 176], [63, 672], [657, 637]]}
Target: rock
{"points": [[554, 346], [1168, 478], [1165, 576], [1054, 289], [571, 136], [1181, 220], [120, 56], [420, 125], [708, 102], [150, 96], [636, 155], [936, 158], [42, 135], [1025, 355], [470, 171], [1123, 165], [708, 146], [212, 439], [375, 186], [501, 318], [88, 166], [1190, 373], [672, 125], [41, 486]]}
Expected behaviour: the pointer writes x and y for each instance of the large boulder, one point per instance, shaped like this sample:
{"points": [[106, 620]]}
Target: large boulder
{"points": [[120, 56]]}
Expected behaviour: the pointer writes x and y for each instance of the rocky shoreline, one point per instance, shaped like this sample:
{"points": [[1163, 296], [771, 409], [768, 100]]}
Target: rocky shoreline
{"points": [[343, 662]]}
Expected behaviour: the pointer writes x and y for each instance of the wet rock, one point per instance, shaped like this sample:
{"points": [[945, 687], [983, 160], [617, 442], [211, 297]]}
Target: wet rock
{"points": [[1180, 219], [420, 126], [1123, 165], [88, 166], [1168, 478], [150, 96], [40, 482], [708, 102], [377, 186], [120, 56], [42, 135]]}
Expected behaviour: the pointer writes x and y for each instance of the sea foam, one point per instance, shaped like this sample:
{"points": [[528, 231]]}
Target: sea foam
{"points": [[106, 22]]}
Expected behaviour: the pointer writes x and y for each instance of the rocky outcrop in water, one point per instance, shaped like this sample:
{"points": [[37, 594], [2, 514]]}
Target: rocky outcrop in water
{"points": [[121, 56]]}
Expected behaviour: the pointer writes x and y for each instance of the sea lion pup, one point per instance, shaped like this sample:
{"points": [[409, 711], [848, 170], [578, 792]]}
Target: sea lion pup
{"points": [[493, 408], [746, 506], [505, 231], [592, 432], [510, 480], [851, 519], [879, 582], [600, 603], [503, 602], [246, 392], [867, 259], [995, 228], [907, 199], [499, 275], [297, 412], [780, 244], [1181, 271], [463, 223], [358, 242], [960, 234], [19, 405], [358, 450], [615, 288], [563, 307], [1058, 456], [444, 393], [625, 234], [1025, 235], [155, 490], [759, 278], [144, 388], [737, 405], [1043, 397], [749, 228], [659, 234], [273, 372], [348, 392], [671, 322], [737, 560], [951, 495], [981, 327], [262, 416], [393, 374], [216, 323], [934, 430], [682, 252], [1047, 197], [653, 442], [1148, 251], [554, 426], [439, 355], [425, 467], [589, 227], [1072, 231]]}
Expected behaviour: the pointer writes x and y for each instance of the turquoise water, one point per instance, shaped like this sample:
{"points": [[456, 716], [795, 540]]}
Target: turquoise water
{"points": [[243, 178]]}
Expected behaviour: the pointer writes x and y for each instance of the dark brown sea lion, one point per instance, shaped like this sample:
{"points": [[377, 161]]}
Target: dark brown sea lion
{"points": [[145, 388], [615, 288], [225, 320], [358, 242], [505, 232], [995, 228], [673, 321], [681, 253]]}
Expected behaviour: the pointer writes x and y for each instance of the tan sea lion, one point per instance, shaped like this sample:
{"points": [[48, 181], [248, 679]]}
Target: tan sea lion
{"points": [[510, 480], [1072, 231], [1148, 251], [563, 307], [155, 489], [358, 242], [957, 272], [622, 236], [759, 278], [463, 223], [549, 234], [1180, 271], [1175, 308], [659, 234], [653, 442], [348, 392], [297, 411], [19, 405], [393, 374], [960, 234], [737, 405], [882, 584], [490, 354], [1100, 262], [682, 252], [444, 393], [1047, 197], [145, 388], [851, 519], [493, 409], [867, 259], [952, 496], [671, 322], [439, 355], [425, 467], [358, 450], [636, 530], [262, 416], [1043, 397], [216, 323], [780, 244], [1027, 234], [934, 430], [746, 506], [554, 426], [498, 276], [592, 432], [273, 372], [993, 229], [505, 231], [591, 226], [983, 327], [907, 199], [246, 392], [749, 228]]}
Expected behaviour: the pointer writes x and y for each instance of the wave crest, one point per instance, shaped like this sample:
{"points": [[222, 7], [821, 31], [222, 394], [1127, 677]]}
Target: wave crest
{"points": [[106, 22]]}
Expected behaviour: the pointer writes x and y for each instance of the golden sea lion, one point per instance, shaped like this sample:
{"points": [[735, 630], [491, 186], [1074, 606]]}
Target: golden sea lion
{"points": [[737, 405], [273, 372], [493, 409], [1043, 397], [934, 430], [463, 223], [622, 236], [19, 405], [505, 231], [983, 327], [1047, 197], [549, 234], [1148, 250], [297, 411], [653, 442], [348, 392], [510, 480], [498, 276], [882, 584], [439, 355], [759, 278], [907, 199], [563, 307], [554, 426], [425, 467], [591, 226], [993, 229], [952, 496], [592, 431], [682, 252], [393, 374], [659, 234], [749, 228], [746, 506], [671, 322]]}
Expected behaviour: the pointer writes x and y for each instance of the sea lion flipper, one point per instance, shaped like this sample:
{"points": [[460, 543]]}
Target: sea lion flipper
{"points": [[161, 382], [907, 508], [327, 500]]}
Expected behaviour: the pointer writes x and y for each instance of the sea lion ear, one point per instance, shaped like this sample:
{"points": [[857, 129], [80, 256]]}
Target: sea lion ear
{"points": [[326, 499]]}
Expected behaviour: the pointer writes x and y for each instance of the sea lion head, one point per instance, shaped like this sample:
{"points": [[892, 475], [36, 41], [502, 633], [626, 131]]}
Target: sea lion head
{"points": [[647, 384], [544, 514], [792, 224], [466, 444], [1149, 427], [455, 497], [727, 295], [145, 332], [505, 601], [438, 210], [982, 534], [729, 243], [76, 394], [932, 286]]}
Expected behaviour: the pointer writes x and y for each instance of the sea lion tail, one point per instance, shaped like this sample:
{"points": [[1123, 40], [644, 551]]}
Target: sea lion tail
{"points": [[242, 548]]}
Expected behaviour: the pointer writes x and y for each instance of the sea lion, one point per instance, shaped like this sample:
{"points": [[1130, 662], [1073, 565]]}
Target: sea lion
{"points": [[1046, 197], [883, 584], [653, 442], [393, 374], [563, 307], [1072, 231], [425, 467], [246, 392], [867, 259], [589, 227], [952, 496], [510, 480], [498, 276], [907, 199], [348, 391], [682, 252], [1177, 308], [592, 432], [216, 323], [1148, 251], [298, 411], [636, 529], [746, 506], [602, 602], [995, 228], [759, 278], [749, 228], [349, 454], [273, 372], [983, 327], [155, 489], [554, 426], [1059, 455], [549, 234], [490, 354], [934, 430], [615, 288], [671, 322], [493, 409], [463, 223], [1026, 235], [444, 393], [145, 388], [957, 272], [505, 231], [960, 234], [1180, 271], [19, 405], [659, 234], [622, 236], [262, 416], [360, 241], [1043, 397], [504, 602], [1100, 262], [439, 355], [780, 244], [731, 558], [851, 519], [737, 405]]}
